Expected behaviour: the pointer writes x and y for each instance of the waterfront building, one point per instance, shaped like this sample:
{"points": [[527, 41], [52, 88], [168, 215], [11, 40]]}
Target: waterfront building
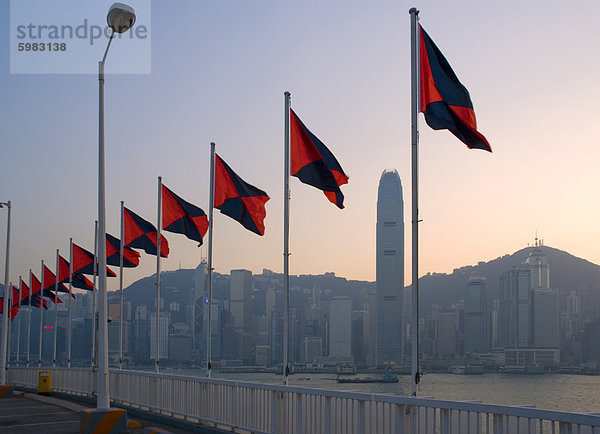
{"points": [[263, 355], [389, 269], [240, 297], [546, 331], [447, 328], [199, 306], [141, 342], [340, 327], [163, 337], [313, 348], [529, 316], [476, 318], [359, 336]]}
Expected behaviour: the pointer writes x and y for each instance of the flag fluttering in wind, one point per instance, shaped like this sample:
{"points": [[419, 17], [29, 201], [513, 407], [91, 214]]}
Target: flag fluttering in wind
{"points": [[131, 258], [182, 217], [141, 234], [15, 303], [36, 285], [83, 262], [24, 294], [239, 200], [313, 163], [36, 302], [444, 100], [78, 280], [49, 285], [13, 309]]}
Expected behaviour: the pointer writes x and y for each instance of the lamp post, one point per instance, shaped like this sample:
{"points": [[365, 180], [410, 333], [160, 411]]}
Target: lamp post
{"points": [[120, 18], [6, 305]]}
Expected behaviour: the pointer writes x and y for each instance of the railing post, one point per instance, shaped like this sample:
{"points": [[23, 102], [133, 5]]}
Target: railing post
{"points": [[499, 422], [361, 428], [298, 413], [445, 421], [565, 428], [273, 411], [328, 414], [414, 419]]}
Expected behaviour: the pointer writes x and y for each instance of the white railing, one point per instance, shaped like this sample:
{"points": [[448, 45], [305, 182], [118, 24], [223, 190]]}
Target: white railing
{"points": [[265, 408]]}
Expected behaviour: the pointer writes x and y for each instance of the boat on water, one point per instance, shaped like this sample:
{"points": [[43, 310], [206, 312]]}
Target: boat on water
{"points": [[466, 370], [358, 380]]}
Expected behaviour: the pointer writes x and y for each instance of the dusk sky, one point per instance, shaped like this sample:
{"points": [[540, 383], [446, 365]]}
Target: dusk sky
{"points": [[218, 73]]}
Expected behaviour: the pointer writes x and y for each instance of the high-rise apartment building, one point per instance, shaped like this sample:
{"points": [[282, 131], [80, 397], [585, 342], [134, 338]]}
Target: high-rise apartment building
{"points": [[390, 269]]}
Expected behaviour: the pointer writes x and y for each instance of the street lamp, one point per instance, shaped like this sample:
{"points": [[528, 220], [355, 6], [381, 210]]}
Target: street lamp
{"points": [[6, 304], [120, 18]]}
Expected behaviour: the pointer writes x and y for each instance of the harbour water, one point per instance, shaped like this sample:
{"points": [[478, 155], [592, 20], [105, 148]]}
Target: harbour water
{"points": [[573, 393]]}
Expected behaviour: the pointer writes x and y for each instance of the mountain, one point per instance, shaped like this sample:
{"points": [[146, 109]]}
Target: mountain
{"points": [[567, 272]]}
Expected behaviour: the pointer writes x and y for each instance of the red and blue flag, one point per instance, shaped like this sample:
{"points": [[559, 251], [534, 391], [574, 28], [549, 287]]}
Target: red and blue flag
{"points": [[15, 302], [141, 234], [36, 285], [182, 217], [131, 258], [83, 262], [78, 280], [24, 294], [36, 302], [444, 100], [313, 163], [239, 200], [36, 292], [50, 284]]}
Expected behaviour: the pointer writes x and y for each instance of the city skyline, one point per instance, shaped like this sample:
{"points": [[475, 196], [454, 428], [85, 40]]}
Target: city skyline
{"points": [[216, 88]]}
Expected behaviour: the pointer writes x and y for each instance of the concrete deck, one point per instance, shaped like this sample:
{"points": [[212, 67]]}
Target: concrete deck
{"points": [[23, 415], [32, 413]]}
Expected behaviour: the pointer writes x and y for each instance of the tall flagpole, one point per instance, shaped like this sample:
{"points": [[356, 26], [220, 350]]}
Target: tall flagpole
{"points": [[7, 310], [210, 266], [41, 315], [29, 318], [95, 295], [414, 329], [158, 229], [121, 249], [286, 237], [55, 310], [19, 327], [4, 336], [69, 331]]}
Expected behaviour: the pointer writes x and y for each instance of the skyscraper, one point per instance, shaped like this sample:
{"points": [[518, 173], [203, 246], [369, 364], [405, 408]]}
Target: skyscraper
{"points": [[390, 268], [476, 316], [200, 309], [529, 310], [240, 299], [340, 331]]}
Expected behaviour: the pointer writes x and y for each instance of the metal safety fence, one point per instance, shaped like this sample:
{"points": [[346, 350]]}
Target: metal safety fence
{"points": [[266, 408]]}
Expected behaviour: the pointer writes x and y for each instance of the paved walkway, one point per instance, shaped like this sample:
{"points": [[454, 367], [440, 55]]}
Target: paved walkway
{"points": [[32, 413], [19, 414]]}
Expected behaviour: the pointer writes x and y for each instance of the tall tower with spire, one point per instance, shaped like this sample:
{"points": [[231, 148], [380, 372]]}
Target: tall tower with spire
{"points": [[390, 269]]}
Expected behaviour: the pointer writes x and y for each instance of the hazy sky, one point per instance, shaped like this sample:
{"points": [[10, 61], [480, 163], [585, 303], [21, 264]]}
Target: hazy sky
{"points": [[218, 73]]}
